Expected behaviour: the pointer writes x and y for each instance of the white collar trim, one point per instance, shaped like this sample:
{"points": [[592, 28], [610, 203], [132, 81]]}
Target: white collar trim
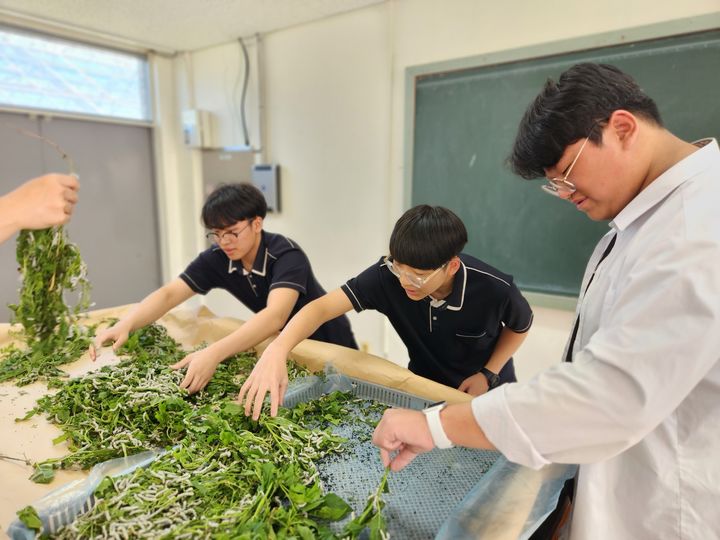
{"points": [[462, 295], [232, 268]]}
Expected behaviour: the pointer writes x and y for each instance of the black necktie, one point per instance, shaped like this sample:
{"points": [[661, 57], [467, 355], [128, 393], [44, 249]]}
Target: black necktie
{"points": [[608, 249]]}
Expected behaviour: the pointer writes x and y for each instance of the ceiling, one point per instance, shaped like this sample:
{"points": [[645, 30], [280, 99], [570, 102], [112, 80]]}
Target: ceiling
{"points": [[172, 25]]}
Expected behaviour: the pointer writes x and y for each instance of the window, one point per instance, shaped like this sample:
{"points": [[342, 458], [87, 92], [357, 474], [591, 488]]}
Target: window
{"points": [[47, 73]]}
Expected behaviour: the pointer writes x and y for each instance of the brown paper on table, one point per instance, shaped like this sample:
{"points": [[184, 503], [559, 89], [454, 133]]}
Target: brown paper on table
{"points": [[32, 439]]}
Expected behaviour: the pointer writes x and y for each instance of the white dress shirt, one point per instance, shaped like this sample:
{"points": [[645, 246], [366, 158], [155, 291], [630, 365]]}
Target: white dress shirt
{"points": [[639, 407]]}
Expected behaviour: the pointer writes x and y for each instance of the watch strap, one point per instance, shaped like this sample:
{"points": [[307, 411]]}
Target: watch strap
{"points": [[439, 437], [493, 378]]}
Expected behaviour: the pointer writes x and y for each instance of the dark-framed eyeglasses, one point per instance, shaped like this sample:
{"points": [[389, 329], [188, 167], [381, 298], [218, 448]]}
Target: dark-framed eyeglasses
{"points": [[227, 236]]}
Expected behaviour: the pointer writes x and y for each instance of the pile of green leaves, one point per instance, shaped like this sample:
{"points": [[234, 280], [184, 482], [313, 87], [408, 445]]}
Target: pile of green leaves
{"points": [[50, 268], [50, 265], [222, 480], [133, 406], [223, 475], [27, 365], [230, 477]]}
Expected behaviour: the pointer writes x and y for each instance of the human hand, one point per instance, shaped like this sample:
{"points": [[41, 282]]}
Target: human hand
{"points": [[474, 385], [45, 201], [117, 334], [268, 375], [201, 366], [405, 432]]}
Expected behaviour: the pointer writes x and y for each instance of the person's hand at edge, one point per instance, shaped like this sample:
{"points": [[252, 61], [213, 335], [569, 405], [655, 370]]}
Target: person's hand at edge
{"points": [[475, 385], [45, 201], [117, 334], [268, 375], [404, 433], [201, 366]]}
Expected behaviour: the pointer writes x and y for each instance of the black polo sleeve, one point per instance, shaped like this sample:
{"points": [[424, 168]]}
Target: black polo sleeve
{"points": [[518, 316], [366, 291], [291, 270], [200, 275]]}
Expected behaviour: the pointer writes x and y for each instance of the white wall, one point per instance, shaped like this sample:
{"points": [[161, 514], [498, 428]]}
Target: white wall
{"points": [[328, 106], [335, 103], [328, 117]]}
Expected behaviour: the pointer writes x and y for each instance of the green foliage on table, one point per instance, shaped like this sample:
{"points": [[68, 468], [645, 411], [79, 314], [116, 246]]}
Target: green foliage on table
{"points": [[222, 475], [51, 268]]}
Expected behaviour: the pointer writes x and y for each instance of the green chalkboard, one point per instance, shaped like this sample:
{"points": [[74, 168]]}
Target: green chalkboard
{"points": [[465, 124]]}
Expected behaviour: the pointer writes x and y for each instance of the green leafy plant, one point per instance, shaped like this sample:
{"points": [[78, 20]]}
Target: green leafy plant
{"points": [[133, 406], [223, 475], [51, 268]]}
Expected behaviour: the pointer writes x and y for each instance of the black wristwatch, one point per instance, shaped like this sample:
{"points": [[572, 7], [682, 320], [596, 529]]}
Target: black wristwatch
{"points": [[493, 379]]}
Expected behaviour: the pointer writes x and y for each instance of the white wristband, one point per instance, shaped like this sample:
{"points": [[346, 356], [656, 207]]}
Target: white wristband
{"points": [[439, 437]]}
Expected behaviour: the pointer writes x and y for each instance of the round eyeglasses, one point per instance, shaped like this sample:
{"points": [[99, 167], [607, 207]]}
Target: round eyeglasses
{"points": [[228, 236]]}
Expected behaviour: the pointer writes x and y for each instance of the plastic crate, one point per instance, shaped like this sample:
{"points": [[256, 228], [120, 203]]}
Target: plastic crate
{"points": [[421, 497], [313, 387], [62, 505]]}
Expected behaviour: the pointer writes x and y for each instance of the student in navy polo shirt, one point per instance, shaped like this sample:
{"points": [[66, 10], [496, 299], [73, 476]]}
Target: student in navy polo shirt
{"points": [[460, 319], [267, 272]]}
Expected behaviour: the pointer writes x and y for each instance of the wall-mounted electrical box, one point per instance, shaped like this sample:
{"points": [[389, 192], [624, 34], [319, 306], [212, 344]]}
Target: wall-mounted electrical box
{"points": [[266, 178], [197, 129]]}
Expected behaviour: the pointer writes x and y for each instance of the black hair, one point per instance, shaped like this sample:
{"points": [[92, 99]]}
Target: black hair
{"points": [[230, 203], [574, 107], [426, 237]]}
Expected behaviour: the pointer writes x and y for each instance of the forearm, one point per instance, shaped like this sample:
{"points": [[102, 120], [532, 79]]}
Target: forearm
{"points": [[507, 345], [260, 327], [309, 319], [155, 305], [301, 326], [461, 428]]}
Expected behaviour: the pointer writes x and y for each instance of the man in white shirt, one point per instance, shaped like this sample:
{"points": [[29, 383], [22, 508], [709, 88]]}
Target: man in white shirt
{"points": [[638, 405]]}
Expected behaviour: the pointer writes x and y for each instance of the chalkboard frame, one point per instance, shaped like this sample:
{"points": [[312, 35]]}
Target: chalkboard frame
{"points": [[674, 28]]}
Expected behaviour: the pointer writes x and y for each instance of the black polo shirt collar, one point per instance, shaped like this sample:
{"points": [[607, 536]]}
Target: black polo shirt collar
{"points": [[260, 263], [456, 299]]}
